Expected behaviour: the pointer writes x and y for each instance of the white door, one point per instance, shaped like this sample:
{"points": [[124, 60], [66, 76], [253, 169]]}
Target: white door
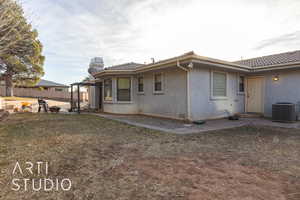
{"points": [[254, 96]]}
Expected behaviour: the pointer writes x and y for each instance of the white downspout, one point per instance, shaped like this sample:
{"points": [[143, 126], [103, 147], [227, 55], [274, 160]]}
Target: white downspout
{"points": [[188, 89]]}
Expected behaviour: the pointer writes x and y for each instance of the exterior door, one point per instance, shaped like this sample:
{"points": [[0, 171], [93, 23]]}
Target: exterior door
{"points": [[255, 95]]}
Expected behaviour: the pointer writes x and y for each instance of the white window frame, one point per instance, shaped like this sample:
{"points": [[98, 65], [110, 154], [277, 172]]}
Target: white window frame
{"points": [[142, 92], [112, 89], [238, 84], [162, 83], [212, 86], [131, 89]]}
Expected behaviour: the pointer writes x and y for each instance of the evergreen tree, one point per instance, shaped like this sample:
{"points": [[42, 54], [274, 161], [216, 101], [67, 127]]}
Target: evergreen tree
{"points": [[21, 59]]}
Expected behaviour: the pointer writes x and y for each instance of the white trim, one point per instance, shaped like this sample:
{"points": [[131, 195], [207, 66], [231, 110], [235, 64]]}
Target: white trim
{"points": [[162, 83], [188, 98], [224, 66], [238, 84], [131, 90], [188, 95], [212, 97], [103, 89], [138, 92]]}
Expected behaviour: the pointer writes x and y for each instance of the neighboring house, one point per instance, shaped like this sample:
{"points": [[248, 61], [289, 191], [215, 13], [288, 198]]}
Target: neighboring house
{"points": [[50, 86], [44, 88], [194, 87]]}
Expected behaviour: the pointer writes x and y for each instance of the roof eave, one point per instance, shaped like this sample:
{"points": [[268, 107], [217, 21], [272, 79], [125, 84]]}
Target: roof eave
{"points": [[170, 62], [112, 72], [278, 67], [52, 86], [224, 66]]}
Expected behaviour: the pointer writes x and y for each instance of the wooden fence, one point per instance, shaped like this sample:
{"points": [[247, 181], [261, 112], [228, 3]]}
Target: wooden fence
{"points": [[50, 94]]}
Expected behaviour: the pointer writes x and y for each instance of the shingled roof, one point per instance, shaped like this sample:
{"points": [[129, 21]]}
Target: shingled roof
{"points": [[126, 66], [46, 83], [275, 59]]}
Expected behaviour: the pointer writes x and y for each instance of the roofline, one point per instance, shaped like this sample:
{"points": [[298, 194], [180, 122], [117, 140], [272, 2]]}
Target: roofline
{"points": [[37, 86], [192, 57], [112, 72], [217, 61], [51, 86], [277, 67]]}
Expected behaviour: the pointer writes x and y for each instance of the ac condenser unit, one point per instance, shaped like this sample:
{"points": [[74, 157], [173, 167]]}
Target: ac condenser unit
{"points": [[284, 112]]}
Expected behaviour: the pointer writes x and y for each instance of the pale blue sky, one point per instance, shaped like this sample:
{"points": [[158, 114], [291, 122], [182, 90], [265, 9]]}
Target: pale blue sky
{"points": [[74, 31]]}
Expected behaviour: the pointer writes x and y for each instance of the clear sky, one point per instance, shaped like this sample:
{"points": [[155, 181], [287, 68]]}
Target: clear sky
{"points": [[74, 31]]}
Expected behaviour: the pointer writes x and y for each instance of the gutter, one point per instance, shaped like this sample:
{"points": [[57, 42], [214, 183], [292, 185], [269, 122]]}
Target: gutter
{"points": [[188, 88], [277, 67]]}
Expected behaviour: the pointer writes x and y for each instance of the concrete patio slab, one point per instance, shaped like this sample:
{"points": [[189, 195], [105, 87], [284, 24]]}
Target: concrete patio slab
{"points": [[10, 105], [180, 127]]}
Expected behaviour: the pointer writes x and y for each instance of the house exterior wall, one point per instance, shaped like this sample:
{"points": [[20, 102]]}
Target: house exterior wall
{"points": [[203, 106], [286, 89], [172, 102], [92, 97], [121, 107]]}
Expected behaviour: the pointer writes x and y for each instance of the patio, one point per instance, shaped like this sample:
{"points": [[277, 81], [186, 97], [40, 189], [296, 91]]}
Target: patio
{"points": [[16, 105], [181, 127]]}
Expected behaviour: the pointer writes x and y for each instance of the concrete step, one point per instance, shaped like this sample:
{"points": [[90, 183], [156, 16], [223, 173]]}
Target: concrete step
{"points": [[250, 115]]}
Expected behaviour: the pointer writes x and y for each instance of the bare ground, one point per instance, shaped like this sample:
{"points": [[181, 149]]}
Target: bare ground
{"points": [[110, 160]]}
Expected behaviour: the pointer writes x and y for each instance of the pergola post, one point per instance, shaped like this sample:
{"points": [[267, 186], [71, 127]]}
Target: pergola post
{"points": [[71, 98], [78, 96]]}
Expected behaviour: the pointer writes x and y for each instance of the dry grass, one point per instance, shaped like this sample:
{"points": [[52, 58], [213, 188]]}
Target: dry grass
{"points": [[110, 160]]}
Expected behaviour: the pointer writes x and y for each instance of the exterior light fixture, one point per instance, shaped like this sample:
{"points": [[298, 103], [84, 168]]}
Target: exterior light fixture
{"points": [[276, 78]]}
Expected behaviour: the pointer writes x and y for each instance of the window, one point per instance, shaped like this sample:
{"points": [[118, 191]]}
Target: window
{"points": [[219, 84], [241, 84], [123, 89], [108, 90], [140, 84], [158, 82], [59, 89]]}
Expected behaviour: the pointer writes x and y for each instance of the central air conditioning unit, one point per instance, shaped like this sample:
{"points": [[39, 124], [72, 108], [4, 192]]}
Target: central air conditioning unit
{"points": [[284, 112]]}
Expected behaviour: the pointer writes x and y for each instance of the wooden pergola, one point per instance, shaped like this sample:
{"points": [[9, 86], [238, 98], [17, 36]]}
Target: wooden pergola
{"points": [[78, 84]]}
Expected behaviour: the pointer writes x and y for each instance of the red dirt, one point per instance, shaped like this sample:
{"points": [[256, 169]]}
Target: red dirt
{"points": [[208, 178]]}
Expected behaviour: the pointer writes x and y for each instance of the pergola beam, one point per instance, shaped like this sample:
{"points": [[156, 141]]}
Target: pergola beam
{"points": [[71, 98], [78, 93], [78, 98]]}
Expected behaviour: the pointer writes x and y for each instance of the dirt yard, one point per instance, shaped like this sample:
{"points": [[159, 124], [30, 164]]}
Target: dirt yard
{"points": [[110, 160]]}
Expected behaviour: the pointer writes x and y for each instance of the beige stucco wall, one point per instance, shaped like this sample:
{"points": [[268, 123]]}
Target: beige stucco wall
{"points": [[171, 103], [203, 105], [121, 107], [92, 97], [286, 89]]}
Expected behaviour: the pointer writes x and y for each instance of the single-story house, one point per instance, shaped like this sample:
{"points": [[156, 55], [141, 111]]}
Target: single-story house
{"points": [[44, 88], [49, 86], [193, 87]]}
